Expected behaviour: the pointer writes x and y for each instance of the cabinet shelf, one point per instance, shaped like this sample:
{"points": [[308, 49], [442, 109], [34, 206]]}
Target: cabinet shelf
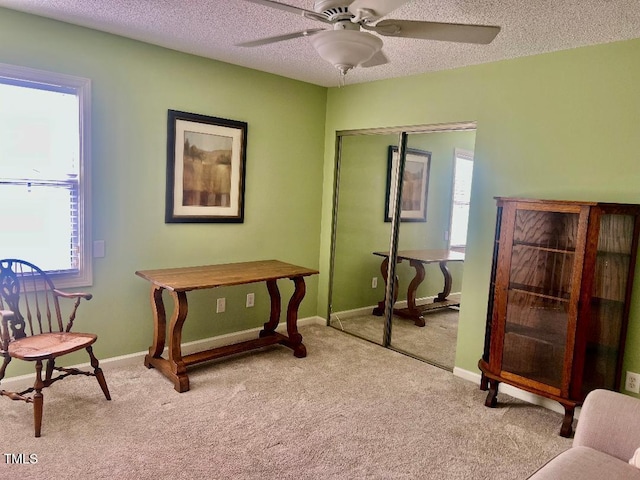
{"points": [[545, 248], [538, 292], [551, 339], [613, 254], [596, 301]]}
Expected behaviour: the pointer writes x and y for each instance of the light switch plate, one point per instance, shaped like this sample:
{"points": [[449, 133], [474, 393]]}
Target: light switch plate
{"points": [[98, 249]]}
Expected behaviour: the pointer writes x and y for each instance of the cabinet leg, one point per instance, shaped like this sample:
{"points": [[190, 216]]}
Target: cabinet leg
{"points": [[492, 395], [567, 423], [484, 383]]}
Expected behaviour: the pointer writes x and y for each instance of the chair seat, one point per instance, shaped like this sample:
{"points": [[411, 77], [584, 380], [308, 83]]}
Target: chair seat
{"points": [[50, 345]]}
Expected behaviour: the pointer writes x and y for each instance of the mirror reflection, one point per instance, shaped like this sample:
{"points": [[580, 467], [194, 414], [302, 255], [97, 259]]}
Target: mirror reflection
{"points": [[431, 251], [357, 285], [432, 238]]}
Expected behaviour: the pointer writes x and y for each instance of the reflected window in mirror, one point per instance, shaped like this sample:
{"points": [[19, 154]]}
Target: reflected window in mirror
{"points": [[462, 174]]}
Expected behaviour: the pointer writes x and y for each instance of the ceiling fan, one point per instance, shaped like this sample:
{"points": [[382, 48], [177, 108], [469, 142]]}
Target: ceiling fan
{"points": [[348, 43]]}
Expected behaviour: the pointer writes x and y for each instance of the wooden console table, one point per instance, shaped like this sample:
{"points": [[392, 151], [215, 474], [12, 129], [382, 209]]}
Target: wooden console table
{"points": [[418, 259], [178, 281]]}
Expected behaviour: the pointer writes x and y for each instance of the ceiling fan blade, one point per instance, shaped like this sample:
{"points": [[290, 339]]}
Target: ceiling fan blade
{"points": [[371, 10], [279, 38], [378, 58], [446, 32], [290, 8]]}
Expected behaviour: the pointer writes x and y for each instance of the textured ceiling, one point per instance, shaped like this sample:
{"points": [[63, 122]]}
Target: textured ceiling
{"points": [[212, 28]]}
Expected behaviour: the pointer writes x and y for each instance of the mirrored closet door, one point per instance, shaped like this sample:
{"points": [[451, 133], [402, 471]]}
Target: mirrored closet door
{"points": [[431, 244], [359, 230], [367, 231]]}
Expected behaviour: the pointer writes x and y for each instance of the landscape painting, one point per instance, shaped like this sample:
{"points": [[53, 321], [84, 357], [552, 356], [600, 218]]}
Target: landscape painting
{"points": [[206, 179], [206, 159]]}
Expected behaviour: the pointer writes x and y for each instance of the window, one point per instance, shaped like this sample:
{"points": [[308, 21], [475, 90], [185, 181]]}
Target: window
{"points": [[462, 173], [44, 172]]}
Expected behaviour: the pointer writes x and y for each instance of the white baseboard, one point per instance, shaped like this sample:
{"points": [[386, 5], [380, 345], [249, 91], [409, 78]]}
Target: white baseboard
{"points": [[356, 312], [24, 381], [515, 392]]}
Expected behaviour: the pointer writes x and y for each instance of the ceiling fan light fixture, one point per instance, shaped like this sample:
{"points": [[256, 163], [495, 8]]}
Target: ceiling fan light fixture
{"points": [[345, 49]]}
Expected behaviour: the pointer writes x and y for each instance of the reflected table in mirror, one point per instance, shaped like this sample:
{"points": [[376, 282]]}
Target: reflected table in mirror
{"points": [[418, 259]]}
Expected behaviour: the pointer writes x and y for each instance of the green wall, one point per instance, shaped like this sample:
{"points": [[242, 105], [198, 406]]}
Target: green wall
{"points": [[561, 126], [133, 86]]}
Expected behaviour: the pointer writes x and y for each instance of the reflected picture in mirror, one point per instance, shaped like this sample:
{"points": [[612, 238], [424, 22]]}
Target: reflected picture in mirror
{"points": [[415, 184]]}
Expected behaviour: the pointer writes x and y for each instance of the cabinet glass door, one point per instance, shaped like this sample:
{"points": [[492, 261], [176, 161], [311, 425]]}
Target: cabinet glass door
{"points": [[539, 295], [613, 261]]}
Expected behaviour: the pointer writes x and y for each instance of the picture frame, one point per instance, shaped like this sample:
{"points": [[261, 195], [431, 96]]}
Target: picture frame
{"points": [[206, 163], [415, 187]]}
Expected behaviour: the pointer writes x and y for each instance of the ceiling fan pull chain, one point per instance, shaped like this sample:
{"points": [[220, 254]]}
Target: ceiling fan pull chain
{"points": [[342, 75]]}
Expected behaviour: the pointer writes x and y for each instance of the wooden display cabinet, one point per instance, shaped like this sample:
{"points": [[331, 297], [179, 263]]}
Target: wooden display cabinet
{"points": [[559, 299]]}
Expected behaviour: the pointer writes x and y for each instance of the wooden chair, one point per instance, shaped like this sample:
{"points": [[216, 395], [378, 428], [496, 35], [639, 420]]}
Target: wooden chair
{"points": [[31, 329]]}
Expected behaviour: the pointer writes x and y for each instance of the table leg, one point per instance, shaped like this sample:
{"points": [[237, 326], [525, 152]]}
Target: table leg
{"points": [[174, 368], [270, 327], [295, 339], [384, 270], [159, 325], [178, 367], [413, 310], [442, 296]]}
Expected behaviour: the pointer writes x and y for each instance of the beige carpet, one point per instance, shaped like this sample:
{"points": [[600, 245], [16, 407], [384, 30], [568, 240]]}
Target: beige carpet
{"points": [[350, 410], [434, 343]]}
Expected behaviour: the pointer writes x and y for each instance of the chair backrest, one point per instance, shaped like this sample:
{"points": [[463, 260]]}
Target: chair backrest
{"points": [[29, 293]]}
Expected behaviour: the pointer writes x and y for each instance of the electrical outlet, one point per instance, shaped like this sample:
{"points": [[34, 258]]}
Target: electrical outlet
{"points": [[632, 383], [250, 300], [221, 305], [374, 282]]}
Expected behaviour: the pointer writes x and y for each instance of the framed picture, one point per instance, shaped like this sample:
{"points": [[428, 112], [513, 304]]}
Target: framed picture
{"points": [[415, 185], [206, 159]]}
